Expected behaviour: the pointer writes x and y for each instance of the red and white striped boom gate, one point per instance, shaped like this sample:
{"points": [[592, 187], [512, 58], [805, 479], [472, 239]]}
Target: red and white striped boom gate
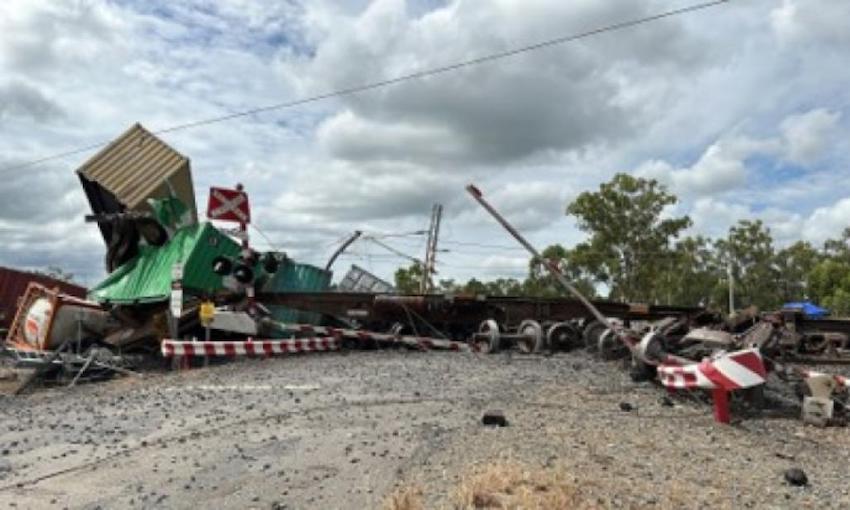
{"points": [[249, 347], [416, 342], [324, 339], [721, 374]]}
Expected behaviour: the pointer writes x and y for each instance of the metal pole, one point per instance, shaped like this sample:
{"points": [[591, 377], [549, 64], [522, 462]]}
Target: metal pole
{"points": [[342, 248], [431, 249], [731, 282], [431, 270], [41, 369], [423, 285], [80, 373], [246, 254], [476, 194]]}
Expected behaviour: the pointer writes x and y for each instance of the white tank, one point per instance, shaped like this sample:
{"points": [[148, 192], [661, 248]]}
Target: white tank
{"points": [[46, 328], [37, 322]]}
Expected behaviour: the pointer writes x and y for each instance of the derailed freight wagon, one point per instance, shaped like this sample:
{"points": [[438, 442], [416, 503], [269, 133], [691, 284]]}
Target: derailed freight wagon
{"points": [[13, 285]]}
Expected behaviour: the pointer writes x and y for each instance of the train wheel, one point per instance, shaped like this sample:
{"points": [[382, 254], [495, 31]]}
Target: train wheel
{"points": [[641, 371], [591, 335], [610, 346], [563, 336], [489, 337], [533, 340]]}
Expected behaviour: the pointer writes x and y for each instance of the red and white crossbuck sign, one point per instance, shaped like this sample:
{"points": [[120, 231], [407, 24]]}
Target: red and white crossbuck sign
{"points": [[228, 205]]}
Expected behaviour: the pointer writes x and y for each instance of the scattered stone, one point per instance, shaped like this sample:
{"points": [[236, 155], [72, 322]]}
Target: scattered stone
{"points": [[626, 407], [796, 477], [494, 419], [666, 401]]}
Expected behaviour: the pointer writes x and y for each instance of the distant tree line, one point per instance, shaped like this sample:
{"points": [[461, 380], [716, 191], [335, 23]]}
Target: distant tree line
{"points": [[637, 252], [57, 273]]}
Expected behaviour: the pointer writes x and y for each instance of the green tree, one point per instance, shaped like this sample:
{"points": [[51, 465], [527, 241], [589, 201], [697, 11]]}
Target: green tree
{"points": [[629, 236], [474, 287], [839, 248], [748, 252], [57, 273], [541, 283], [794, 264], [409, 279], [691, 274], [504, 287], [829, 284], [448, 286], [829, 279], [498, 287]]}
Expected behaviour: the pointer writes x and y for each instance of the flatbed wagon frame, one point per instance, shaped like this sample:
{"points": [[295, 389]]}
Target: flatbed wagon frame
{"points": [[461, 315]]}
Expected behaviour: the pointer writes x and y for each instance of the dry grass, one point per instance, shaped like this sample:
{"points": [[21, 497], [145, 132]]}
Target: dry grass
{"points": [[405, 498], [512, 485], [503, 485]]}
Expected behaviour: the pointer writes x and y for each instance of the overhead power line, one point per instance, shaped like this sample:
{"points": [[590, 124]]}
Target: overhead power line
{"points": [[393, 250], [392, 81], [397, 234], [482, 245]]}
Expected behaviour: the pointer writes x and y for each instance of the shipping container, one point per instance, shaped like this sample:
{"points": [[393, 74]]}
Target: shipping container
{"points": [[136, 167], [294, 277]]}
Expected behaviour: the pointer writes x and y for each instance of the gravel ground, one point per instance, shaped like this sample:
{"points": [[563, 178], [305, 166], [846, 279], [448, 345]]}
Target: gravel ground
{"points": [[342, 430]]}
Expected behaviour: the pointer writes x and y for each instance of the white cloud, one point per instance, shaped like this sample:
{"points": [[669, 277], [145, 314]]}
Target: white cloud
{"points": [[812, 20], [386, 190], [807, 135], [720, 168], [803, 139], [19, 99], [354, 138], [713, 217], [563, 99], [495, 266], [827, 222], [786, 227]]}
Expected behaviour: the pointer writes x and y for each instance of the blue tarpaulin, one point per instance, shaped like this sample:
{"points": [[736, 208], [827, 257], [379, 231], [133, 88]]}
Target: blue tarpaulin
{"points": [[808, 308]]}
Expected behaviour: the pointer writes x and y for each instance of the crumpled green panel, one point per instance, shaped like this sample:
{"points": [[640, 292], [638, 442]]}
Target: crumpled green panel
{"points": [[170, 212], [147, 277]]}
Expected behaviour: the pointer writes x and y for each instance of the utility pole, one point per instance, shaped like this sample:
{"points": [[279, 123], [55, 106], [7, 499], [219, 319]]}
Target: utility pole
{"points": [[731, 279], [431, 249]]}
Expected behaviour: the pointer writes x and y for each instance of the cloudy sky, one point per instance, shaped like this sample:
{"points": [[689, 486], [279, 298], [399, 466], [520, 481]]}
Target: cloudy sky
{"points": [[741, 109]]}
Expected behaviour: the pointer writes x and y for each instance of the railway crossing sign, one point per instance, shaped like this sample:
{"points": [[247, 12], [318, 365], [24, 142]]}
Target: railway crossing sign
{"points": [[229, 205]]}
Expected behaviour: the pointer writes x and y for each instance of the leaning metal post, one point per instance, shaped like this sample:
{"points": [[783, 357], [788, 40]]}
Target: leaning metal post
{"points": [[476, 194], [553, 269]]}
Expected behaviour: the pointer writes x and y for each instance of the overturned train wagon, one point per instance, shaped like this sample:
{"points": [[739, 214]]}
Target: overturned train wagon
{"points": [[534, 323]]}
